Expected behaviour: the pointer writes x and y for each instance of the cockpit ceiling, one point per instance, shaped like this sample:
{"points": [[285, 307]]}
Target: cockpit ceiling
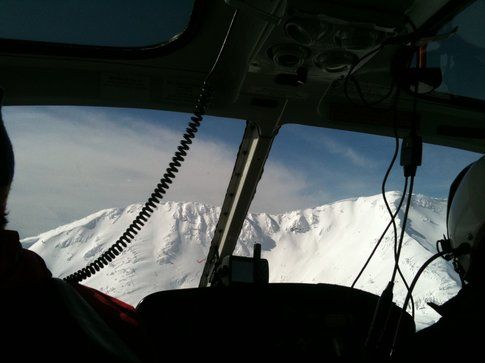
{"points": [[289, 70]]}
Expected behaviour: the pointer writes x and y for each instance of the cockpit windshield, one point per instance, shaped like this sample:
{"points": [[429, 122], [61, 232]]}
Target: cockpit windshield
{"points": [[323, 224], [82, 174]]}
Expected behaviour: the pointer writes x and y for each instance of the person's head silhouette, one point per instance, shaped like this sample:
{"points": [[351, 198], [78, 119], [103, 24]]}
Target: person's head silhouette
{"points": [[6, 167]]}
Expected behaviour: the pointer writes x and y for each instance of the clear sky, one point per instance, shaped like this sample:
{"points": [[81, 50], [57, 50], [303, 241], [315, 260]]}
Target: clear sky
{"points": [[73, 161]]}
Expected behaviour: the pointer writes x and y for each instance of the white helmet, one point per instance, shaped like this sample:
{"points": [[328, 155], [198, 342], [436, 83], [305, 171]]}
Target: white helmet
{"points": [[466, 211]]}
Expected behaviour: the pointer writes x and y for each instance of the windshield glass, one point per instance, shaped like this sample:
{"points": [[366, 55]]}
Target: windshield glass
{"points": [[461, 57], [109, 23], [82, 174], [326, 213]]}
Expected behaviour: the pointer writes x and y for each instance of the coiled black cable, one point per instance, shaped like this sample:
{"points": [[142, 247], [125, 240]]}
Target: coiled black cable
{"points": [[164, 184], [155, 198]]}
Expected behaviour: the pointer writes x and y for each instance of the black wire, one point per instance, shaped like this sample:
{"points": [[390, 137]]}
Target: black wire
{"points": [[388, 171], [383, 191], [409, 294], [382, 235], [398, 246], [386, 177], [349, 76], [361, 94], [411, 187], [165, 182], [393, 215], [352, 68], [462, 249], [396, 258], [403, 228]]}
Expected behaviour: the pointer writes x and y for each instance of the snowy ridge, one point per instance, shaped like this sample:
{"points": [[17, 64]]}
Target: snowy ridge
{"points": [[329, 243]]}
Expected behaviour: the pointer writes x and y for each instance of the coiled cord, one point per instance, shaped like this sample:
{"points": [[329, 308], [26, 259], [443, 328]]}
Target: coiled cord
{"points": [[155, 198], [167, 179]]}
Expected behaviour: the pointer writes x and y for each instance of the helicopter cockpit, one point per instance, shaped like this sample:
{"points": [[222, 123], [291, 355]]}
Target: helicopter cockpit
{"points": [[409, 70]]}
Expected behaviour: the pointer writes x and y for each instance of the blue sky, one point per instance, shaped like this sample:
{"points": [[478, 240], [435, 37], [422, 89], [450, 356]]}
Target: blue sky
{"points": [[73, 161], [351, 164]]}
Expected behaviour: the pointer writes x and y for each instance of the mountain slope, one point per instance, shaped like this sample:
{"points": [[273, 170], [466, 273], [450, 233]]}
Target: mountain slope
{"points": [[324, 244]]}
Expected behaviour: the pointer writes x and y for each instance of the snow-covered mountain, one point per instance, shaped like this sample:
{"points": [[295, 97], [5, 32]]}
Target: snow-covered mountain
{"points": [[324, 244]]}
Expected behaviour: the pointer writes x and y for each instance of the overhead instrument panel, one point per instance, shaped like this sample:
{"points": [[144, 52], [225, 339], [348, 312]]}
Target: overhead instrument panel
{"points": [[322, 40]]}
